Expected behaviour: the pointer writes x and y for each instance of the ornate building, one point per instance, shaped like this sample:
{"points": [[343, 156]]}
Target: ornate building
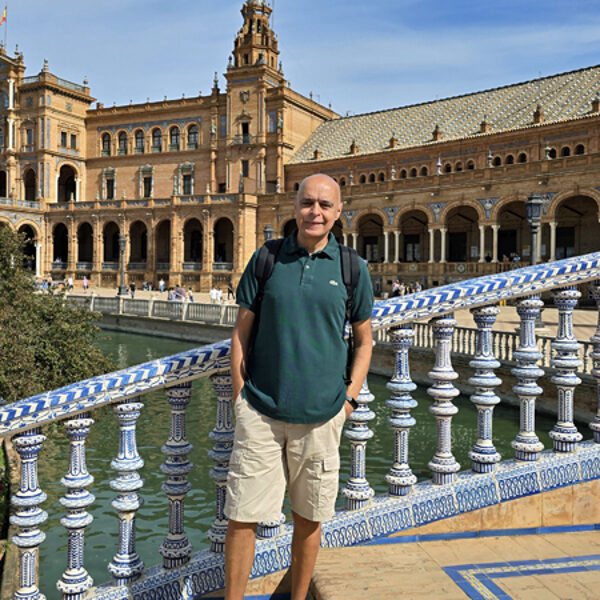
{"points": [[432, 192]]}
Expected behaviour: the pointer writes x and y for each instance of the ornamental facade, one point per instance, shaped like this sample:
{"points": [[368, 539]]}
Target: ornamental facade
{"points": [[432, 192]]}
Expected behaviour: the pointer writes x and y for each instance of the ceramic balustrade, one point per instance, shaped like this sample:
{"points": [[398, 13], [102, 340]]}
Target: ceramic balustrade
{"points": [[125, 391]]}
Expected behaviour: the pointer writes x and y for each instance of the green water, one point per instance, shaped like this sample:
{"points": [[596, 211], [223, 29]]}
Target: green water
{"points": [[153, 428]]}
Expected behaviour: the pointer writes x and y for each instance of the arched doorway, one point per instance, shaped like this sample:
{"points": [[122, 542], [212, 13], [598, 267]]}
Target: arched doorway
{"points": [[192, 244], [29, 182], [110, 236], [29, 249], [338, 231], [85, 247], [224, 242], [66, 184], [163, 246], [3, 185], [370, 237], [462, 241], [577, 228], [513, 235], [138, 246], [60, 246], [413, 241]]}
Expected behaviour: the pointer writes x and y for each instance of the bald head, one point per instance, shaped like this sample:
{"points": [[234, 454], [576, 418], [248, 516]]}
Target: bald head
{"points": [[317, 207]]}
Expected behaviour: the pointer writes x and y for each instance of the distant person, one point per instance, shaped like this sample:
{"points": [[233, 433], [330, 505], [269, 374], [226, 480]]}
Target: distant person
{"points": [[161, 285], [132, 289], [86, 283], [230, 291], [213, 295], [69, 283], [190, 295], [219, 296]]}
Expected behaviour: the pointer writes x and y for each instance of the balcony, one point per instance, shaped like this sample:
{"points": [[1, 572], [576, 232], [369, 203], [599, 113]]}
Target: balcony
{"points": [[84, 266], [173, 147], [243, 138], [163, 266], [110, 265], [192, 266], [136, 266], [59, 265], [222, 266]]}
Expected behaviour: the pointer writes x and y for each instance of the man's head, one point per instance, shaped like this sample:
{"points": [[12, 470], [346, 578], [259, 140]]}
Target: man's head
{"points": [[317, 207]]}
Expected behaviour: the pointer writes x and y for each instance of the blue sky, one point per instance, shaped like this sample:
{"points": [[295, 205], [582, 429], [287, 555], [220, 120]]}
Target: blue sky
{"points": [[361, 56]]}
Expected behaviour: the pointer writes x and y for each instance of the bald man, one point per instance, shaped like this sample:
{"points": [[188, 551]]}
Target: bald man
{"points": [[290, 394]]}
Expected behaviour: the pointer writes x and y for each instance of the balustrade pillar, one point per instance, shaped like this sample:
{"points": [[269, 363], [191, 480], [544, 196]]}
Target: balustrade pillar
{"points": [[566, 362], [483, 454], [443, 464], [595, 356], [527, 446], [28, 516], [400, 477], [222, 436], [176, 548], [75, 581], [126, 565], [357, 490]]}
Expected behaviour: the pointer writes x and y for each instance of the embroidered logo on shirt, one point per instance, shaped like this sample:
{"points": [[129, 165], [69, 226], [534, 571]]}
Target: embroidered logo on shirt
{"points": [[333, 282]]}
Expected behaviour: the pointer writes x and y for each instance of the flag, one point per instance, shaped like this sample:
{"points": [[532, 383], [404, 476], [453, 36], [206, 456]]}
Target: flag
{"points": [[3, 17]]}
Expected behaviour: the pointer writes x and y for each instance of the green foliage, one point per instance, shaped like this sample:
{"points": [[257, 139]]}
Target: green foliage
{"points": [[45, 342]]}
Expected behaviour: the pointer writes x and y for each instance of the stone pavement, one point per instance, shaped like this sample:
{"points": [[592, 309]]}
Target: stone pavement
{"points": [[551, 566], [585, 320]]}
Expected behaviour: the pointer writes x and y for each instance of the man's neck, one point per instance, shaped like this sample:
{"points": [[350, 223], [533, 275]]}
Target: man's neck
{"points": [[312, 245]]}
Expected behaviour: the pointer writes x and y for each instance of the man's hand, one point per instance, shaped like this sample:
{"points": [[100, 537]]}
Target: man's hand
{"points": [[349, 408], [239, 348]]}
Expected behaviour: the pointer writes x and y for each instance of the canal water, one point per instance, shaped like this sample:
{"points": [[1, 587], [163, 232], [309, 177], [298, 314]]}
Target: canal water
{"points": [[153, 428]]}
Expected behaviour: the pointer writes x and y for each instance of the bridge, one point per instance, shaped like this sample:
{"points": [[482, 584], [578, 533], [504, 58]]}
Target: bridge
{"points": [[539, 493]]}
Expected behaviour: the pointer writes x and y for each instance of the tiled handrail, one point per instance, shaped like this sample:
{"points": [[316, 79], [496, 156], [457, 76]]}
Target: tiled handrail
{"points": [[451, 493]]}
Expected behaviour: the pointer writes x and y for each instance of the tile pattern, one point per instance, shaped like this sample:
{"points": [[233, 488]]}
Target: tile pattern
{"points": [[477, 580], [564, 97]]}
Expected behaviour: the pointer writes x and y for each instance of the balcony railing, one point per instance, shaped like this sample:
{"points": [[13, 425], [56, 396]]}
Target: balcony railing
{"points": [[163, 266], [59, 265], [192, 266], [110, 265], [243, 138], [85, 266], [406, 505], [222, 266], [136, 266]]}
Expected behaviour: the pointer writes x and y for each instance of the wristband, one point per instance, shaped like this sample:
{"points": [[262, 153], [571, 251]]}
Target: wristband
{"points": [[352, 402]]}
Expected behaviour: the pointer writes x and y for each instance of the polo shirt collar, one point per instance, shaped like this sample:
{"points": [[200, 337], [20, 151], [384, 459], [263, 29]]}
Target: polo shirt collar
{"points": [[291, 246]]}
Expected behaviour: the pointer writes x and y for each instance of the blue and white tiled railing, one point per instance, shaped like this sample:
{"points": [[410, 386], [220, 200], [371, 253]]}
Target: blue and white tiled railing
{"points": [[184, 574]]}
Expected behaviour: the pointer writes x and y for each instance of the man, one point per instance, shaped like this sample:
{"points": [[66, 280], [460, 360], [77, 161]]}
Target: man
{"points": [[291, 399]]}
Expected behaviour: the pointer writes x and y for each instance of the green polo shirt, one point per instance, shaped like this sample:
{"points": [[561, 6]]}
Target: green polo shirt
{"points": [[296, 370]]}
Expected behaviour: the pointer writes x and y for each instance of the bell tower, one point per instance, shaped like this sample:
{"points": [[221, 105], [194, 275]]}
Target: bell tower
{"points": [[256, 43]]}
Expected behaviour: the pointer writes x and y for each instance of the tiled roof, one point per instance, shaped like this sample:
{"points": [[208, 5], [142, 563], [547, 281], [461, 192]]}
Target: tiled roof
{"points": [[561, 97]]}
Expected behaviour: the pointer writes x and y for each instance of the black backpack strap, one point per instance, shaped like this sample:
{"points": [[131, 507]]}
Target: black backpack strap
{"points": [[350, 276], [263, 269]]}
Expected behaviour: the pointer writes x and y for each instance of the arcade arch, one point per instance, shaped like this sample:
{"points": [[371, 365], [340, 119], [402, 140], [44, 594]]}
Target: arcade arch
{"points": [[370, 237], [66, 184], [192, 241], [85, 243], [29, 182], [223, 236], [138, 243], [60, 245], [577, 227], [463, 232], [163, 245], [29, 247], [110, 237], [413, 238]]}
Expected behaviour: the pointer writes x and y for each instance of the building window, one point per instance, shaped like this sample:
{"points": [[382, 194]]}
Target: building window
{"points": [[122, 143], [192, 137], [382, 176], [522, 158], [29, 137], [497, 162], [565, 151], [174, 139], [470, 165], [362, 179], [272, 121], [552, 153], [245, 168], [458, 167], [147, 183], [139, 141], [63, 139], [424, 172], [246, 59], [372, 178], [223, 126], [110, 188], [187, 185], [579, 149], [73, 142], [1, 138], [413, 172], [222, 188], [447, 168], [105, 144], [342, 181], [156, 140], [403, 174]]}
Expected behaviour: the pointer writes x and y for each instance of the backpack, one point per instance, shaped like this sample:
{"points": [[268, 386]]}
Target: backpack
{"points": [[263, 269]]}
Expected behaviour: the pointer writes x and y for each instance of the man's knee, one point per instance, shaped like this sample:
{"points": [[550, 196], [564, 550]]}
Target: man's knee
{"points": [[240, 527], [305, 525]]}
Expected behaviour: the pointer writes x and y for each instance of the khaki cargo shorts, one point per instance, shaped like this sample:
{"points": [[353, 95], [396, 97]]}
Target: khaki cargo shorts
{"points": [[268, 454]]}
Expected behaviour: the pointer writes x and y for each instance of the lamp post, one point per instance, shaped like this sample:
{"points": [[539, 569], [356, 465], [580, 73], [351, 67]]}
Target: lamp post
{"points": [[122, 243], [268, 232], [533, 208]]}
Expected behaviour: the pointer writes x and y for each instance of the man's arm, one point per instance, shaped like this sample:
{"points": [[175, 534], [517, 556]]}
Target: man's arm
{"points": [[363, 348], [239, 348]]}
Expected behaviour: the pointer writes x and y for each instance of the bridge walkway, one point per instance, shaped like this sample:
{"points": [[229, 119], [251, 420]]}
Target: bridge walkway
{"points": [[563, 563]]}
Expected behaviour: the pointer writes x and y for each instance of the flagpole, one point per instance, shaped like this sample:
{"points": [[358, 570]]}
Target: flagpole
{"points": [[6, 28]]}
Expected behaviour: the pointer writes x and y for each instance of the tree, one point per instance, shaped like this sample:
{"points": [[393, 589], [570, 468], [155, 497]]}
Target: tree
{"points": [[45, 342]]}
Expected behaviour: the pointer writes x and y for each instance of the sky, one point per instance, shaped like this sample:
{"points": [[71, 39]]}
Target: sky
{"points": [[360, 56]]}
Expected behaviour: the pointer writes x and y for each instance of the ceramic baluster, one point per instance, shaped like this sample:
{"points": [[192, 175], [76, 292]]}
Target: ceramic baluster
{"points": [[595, 356], [176, 548]]}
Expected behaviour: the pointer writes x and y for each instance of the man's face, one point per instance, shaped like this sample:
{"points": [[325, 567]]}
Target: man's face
{"points": [[317, 207]]}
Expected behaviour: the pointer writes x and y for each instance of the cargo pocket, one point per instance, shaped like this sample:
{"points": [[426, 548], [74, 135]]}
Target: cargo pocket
{"points": [[324, 474]]}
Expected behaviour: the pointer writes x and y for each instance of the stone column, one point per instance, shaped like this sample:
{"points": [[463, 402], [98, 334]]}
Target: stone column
{"points": [[552, 240], [73, 249], [386, 246], [355, 241], [482, 243], [495, 229], [431, 244], [38, 259], [396, 247], [345, 238], [443, 245]]}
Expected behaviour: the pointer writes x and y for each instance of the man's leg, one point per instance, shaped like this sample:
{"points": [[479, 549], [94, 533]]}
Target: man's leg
{"points": [[239, 556], [305, 547]]}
